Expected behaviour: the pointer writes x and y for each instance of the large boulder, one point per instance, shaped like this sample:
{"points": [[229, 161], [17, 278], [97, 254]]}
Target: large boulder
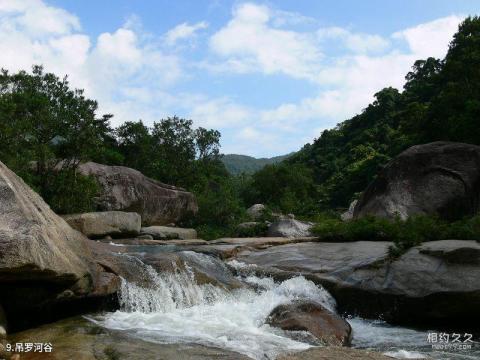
{"points": [[436, 283], [289, 227], [126, 189], [301, 315], [168, 232], [100, 224], [43, 261], [440, 178]]}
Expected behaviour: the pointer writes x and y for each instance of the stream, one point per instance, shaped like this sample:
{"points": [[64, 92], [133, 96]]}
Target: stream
{"points": [[175, 309]]}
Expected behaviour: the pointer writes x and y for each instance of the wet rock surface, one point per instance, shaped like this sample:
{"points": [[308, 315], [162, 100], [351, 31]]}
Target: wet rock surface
{"points": [[440, 178], [80, 339], [126, 189], [100, 224], [327, 327]]}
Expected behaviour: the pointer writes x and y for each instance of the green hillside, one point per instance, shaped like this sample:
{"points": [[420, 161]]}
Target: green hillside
{"points": [[440, 101], [237, 164]]}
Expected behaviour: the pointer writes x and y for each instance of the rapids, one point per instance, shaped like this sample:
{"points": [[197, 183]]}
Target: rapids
{"points": [[174, 308]]}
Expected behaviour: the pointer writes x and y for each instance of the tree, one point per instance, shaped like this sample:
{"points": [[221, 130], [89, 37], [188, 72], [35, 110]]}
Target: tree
{"points": [[47, 125], [135, 144]]}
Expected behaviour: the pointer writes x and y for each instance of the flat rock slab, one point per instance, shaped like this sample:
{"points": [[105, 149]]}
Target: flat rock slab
{"points": [[137, 241], [259, 242], [100, 224], [318, 257], [80, 339], [168, 232]]}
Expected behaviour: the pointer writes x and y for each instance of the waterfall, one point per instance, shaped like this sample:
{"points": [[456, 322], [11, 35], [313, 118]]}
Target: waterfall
{"points": [[173, 308], [167, 292]]}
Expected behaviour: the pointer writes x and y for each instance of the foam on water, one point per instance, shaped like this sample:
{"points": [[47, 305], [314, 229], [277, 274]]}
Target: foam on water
{"points": [[402, 343], [175, 309]]}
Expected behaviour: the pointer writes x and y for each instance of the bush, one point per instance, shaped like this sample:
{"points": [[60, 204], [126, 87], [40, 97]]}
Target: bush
{"points": [[257, 230], [69, 192], [404, 234]]}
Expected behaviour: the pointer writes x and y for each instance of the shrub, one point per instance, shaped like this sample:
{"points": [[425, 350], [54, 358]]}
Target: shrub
{"points": [[69, 192], [256, 230], [403, 233]]}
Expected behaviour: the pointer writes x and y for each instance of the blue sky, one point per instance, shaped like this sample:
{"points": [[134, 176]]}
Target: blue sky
{"points": [[270, 75]]}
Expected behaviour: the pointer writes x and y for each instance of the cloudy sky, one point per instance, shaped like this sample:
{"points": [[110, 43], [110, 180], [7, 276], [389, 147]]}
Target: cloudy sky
{"points": [[270, 75]]}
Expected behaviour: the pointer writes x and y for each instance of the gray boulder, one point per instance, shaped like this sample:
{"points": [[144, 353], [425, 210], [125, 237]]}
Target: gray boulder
{"points": [[107, 223], [437, 283], [288, 227], [256, 211], [441, 178], [302, 315], [126, 189], [167, 232]]}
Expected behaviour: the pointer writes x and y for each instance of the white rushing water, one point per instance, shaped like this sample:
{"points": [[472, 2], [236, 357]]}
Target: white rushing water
{"points": [[176, 309]]}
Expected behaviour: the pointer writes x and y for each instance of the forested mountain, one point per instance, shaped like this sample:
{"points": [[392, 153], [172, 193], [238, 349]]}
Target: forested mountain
{"points": [[238, 164], [440, 101]]}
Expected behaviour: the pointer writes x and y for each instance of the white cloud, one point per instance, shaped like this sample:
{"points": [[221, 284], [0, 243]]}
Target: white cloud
{"points": [[432, 38], [36, 18], [32, 32], [183, 31], [356, 42], [219, 113], [133, 75], [346, 82], [249, 43]]}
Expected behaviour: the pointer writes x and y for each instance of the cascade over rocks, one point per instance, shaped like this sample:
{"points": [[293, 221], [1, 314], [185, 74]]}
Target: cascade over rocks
{"points": [[439, 178], [101, 224], [126, 189], [302, 315]]}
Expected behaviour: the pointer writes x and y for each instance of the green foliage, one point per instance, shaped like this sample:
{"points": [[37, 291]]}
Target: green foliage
{"points": [[403, 233], [258, 230], [68, 192], [243, 164], [219, 204], [286, 188]]}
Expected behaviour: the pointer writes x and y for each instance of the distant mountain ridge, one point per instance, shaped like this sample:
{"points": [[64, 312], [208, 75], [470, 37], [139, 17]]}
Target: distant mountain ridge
{"points": [[237, 164]]}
